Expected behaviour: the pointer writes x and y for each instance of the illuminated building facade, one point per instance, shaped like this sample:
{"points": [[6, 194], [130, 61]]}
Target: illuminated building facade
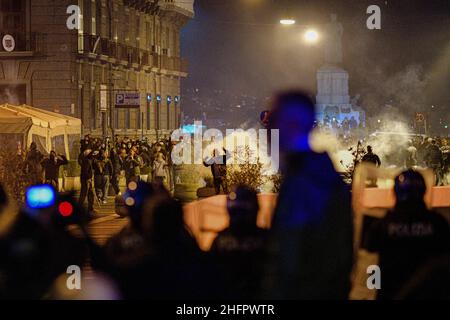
{"points": [[119, 46]]}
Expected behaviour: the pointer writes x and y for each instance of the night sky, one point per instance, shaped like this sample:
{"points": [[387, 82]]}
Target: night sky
{"points": [[238, 46]]}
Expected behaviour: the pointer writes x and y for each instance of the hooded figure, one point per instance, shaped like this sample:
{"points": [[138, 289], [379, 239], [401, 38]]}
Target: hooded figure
{"points": [[311, 248], [33, 164]]}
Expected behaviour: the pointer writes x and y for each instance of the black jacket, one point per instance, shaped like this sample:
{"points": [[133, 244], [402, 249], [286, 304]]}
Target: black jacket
{"points": [[218, 166], [311, 250], [85, 163], [102, 167], [51, 168], [116, 162], [405, 239], [433, 155], [371, 158], [239, 253]]}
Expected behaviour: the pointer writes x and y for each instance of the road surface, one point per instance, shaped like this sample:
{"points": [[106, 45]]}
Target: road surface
{"points": [[106, 223]]}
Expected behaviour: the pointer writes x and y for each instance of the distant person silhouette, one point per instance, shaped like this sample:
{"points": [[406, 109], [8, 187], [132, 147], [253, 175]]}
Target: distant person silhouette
{"points": [[218, 164], [371, 157], [408, 236], [239, 250], [51, 167], [374, 159], [33, 164], [435, 161], [311, 248]]}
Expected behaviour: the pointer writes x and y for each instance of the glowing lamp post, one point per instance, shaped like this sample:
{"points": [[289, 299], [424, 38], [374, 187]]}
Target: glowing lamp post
{"points": [[311, 36], [287, 21]]}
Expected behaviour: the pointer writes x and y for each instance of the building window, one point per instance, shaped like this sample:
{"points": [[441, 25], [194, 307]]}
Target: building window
{"points": [[148, 30], [13, 94], [98, 17], [115, 24], [126, 27], [13, 21], [149, 112], [132, 119], [121, 118], [116, 119], [93, 106], [138, 119], [81, 27], [176, 48], [168, 40], [138, 31], [127, 119], [93, 10]]}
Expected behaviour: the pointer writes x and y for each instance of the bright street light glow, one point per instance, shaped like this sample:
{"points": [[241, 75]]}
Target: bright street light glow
{"points": [[311, 36], [287, 22]]}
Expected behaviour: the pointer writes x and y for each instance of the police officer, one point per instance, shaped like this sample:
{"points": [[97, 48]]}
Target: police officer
{"points": [[408, 236], [240, 250]]}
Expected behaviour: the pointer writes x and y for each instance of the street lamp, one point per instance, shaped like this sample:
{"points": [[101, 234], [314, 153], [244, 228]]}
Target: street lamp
{"points": [[287, 21], [311, 36]]}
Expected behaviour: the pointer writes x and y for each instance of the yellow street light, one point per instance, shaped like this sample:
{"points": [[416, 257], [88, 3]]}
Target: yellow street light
{"points": [[287, 22], [311, 36]]}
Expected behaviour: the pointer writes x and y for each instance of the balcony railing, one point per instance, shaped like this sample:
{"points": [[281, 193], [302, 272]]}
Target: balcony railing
{"points": [[33, 42], [129, 54], [174, 63], [185, 7]]}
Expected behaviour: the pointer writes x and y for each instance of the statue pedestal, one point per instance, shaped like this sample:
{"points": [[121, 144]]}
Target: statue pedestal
{"points": [[332, 86], [332, 94]]}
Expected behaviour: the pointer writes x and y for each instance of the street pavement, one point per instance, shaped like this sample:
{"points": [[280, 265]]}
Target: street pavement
{"points": [[105, 223]]}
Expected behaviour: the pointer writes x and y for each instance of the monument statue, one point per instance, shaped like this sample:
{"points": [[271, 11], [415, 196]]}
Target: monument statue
{"points": [[333, 99], [333, 41]]}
